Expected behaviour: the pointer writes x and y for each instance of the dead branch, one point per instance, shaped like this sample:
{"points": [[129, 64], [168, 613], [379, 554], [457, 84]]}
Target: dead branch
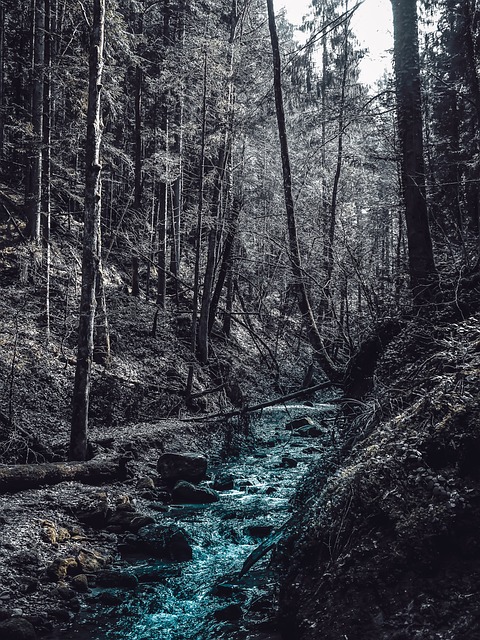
{"points": [[258, 407]]}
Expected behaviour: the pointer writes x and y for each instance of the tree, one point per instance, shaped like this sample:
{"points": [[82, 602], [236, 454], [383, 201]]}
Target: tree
{"points": [[410, 132], [295, 260], [91, 261]]}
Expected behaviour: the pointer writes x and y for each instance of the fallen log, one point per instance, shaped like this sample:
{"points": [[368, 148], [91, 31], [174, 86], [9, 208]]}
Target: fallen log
{"points": [[263, 405], [32, 476]]}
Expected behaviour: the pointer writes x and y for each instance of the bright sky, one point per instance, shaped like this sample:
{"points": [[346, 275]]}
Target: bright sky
{"points": [[372, 24]]}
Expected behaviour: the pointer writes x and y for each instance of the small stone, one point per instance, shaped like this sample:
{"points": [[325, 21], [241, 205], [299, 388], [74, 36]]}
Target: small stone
{"points": [[49, 534], [90, 561], [63, 534], [145, 483], [65, 592], [223, 482], [80, 583], [289, 462], [60, 567], [60, 614]]}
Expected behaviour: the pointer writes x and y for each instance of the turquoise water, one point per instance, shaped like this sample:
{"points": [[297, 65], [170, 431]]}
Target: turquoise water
{"points": [[181, 605]]}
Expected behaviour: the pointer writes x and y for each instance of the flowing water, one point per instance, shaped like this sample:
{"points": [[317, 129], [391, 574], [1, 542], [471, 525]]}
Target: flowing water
{"points": [[178, 601]]}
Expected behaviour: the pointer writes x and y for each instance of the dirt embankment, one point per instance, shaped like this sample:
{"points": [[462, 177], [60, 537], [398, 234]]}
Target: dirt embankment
{"points": [[387, 545]]}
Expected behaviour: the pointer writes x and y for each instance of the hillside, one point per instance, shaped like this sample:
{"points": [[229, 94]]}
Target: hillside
{"points": [[386, 543]]}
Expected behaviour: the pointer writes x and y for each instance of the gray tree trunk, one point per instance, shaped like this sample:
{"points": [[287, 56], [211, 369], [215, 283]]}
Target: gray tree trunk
{"points": [[91, 240]]}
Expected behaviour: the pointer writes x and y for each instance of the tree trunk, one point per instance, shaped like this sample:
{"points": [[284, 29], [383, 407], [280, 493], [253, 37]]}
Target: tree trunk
{"points": [[2, 80], [46, 171], [34, 193], [201, 197], [410, 131], [294, 250], [226, 263], [208, 280], [33, 476], [91, 240]]}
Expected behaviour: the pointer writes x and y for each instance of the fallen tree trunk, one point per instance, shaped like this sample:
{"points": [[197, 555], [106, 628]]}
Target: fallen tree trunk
{"points": [[263, 405], [32, 476]]}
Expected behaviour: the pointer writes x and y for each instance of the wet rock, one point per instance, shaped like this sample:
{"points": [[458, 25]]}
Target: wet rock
{"points": [[297, 423], [157, 495], [110, 599], [66, 593], [61, 614], [223, 590], [228, 614], [17, 629], [90, 561], [138, 522], [310, 432], [117, 580], [223, 482], [120, 521], [80, 583], [259, 530], [182, 466], [289, 462], [157, 573], [60, 567], [187, 493], [244, 484], [168, 542], [145, 483]]}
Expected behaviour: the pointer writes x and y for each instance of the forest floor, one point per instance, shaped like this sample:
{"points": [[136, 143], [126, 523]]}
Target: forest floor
{"points": [[386, 543], [53, 536]]}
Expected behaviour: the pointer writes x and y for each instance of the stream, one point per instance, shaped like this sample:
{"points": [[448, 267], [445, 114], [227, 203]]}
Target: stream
{"points": [[189, 600]]}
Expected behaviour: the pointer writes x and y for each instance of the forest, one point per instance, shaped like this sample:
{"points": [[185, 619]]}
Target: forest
{"points": [[240, 337]]}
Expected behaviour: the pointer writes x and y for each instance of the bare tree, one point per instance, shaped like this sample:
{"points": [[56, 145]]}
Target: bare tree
{"points": [[294, 249], [91, 261]]}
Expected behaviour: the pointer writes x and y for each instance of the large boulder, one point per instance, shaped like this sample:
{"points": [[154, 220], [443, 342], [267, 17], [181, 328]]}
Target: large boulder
{"points": [[167, 542], [182, 466], [17, 629], [187, 493]]}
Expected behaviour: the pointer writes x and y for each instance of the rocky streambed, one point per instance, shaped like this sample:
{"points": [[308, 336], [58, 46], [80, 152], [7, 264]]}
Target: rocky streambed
{"points": [[192, 589], [160, 555]]}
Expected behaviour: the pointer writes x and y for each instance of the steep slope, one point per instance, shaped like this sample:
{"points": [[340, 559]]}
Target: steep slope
{"points": [[387, 545]]}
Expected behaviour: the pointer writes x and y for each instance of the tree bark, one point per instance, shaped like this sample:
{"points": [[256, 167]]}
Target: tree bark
{"points": [[34, 193], [410, 132], [91, 240], [201, 198], [294, 250]]}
